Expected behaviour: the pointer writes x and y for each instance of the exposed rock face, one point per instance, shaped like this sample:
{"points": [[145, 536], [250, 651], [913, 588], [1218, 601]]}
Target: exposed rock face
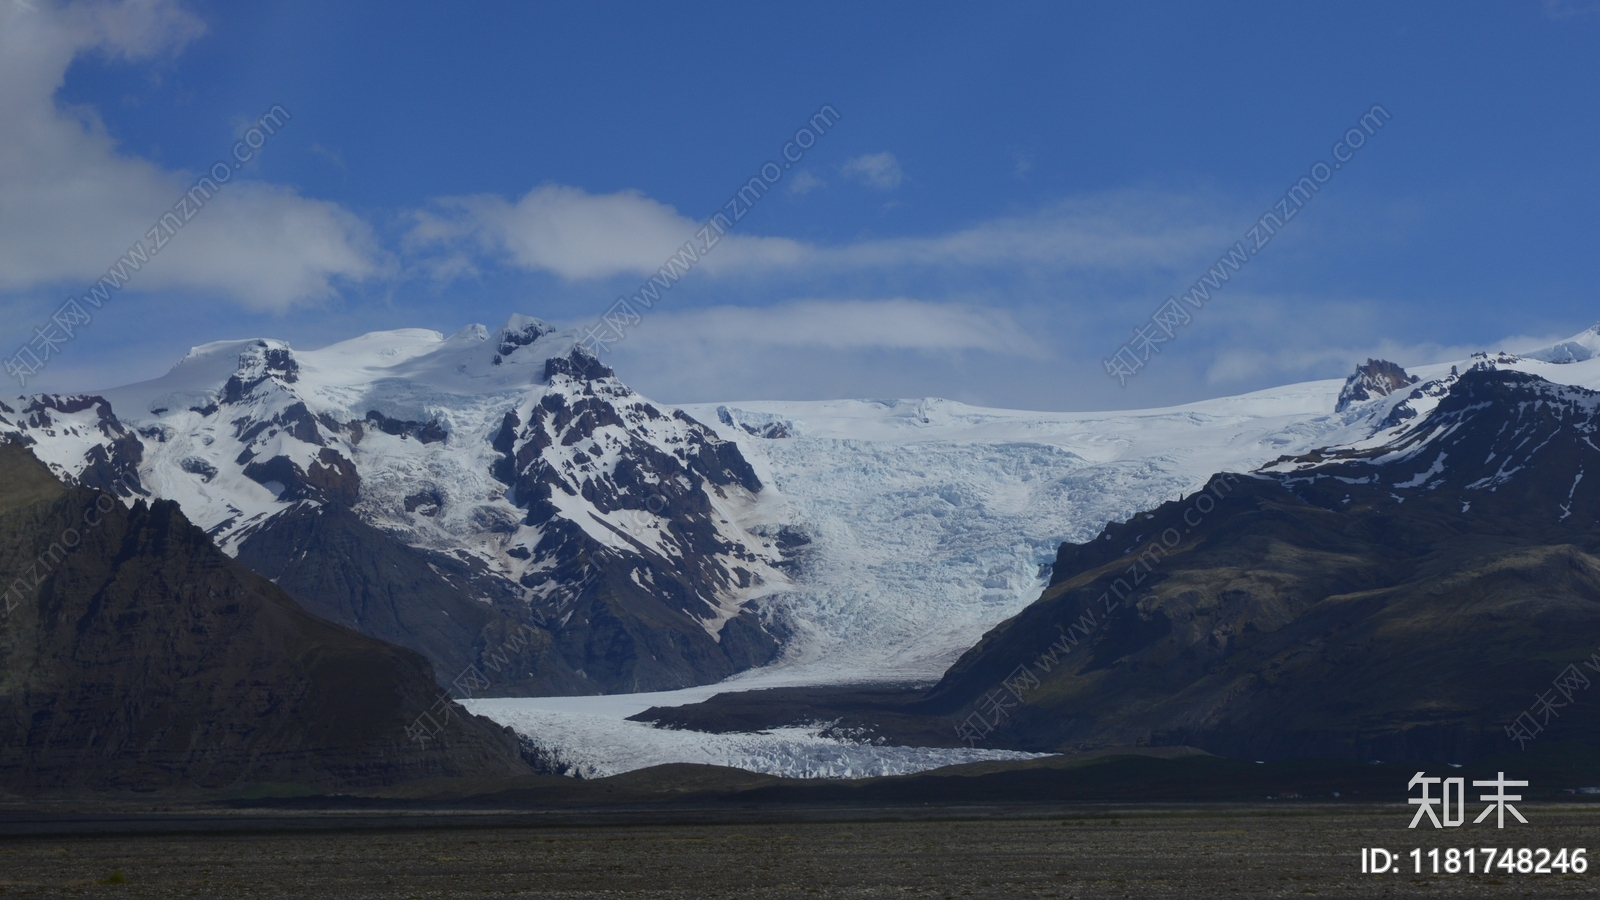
{"points": [[80, 439], [503, 480], [1376, 378], [329, 478], [426, 432], [555, 449], [135, 655], [1410, 600], [756, 424], [464, 620]]}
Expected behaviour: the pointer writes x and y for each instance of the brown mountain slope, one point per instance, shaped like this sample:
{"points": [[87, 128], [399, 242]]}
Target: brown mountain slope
{"points": [[135, 655]]}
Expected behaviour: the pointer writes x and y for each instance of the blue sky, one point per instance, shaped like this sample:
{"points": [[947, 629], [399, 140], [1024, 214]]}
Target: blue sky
{"points": [[1009, 190]]}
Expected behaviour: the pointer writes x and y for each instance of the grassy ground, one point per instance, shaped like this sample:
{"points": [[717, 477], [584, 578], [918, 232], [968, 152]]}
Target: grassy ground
{"points": [[1266, 850]]}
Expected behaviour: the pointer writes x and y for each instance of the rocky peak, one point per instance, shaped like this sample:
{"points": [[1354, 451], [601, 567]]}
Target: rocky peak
{"points": [[756, 424], [258, 362], [1376, 378], [1487, 439], [518, 332], [1483, 360], [580, 365]]}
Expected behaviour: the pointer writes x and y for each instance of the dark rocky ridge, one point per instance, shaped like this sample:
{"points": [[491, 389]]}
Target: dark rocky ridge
{"points": [[633, 622], [344, 570], [258, 364], [137, 656], [111, 465], [426, 432]]}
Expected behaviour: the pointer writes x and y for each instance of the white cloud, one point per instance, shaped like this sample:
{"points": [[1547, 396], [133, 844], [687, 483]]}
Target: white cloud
{"points": [[804, 183], [333, 158], [1568, 9], [1022, 166], [577, 235], [1285, 365], [877, 170], [71, 203], [826, 348], [1122, 231]]}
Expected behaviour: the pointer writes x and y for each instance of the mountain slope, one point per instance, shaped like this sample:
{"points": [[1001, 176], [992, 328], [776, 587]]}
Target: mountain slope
{"points": [[344, 570], [508, 480], [1409, 596], [135, 655]]}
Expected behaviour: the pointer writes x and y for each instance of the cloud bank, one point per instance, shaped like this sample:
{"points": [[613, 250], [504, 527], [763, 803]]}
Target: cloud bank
{"points": [[576, 235], [71, 202]]}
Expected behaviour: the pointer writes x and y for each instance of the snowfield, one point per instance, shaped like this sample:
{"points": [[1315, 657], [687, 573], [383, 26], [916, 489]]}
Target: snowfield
{"points": [[930, 523]]}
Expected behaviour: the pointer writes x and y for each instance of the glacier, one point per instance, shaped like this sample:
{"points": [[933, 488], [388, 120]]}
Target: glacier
{"points": [[595, 741], [915, 526], [933, 521]]}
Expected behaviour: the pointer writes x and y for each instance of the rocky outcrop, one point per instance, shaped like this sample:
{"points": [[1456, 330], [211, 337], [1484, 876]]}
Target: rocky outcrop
{"points": [[1373, 379], [114, 452], [761, 425], [330, 478], [427, 432]]}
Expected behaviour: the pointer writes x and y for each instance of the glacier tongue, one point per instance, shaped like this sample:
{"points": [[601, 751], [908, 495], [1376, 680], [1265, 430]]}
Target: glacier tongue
{"points": [[595, 746]]}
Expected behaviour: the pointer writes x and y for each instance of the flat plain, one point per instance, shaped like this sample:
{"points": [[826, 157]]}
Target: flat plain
{"points": [[1257, 851]]}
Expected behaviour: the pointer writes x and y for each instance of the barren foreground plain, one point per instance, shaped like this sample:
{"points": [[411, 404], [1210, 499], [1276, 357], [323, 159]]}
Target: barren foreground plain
{"points": [[1264, 850]]}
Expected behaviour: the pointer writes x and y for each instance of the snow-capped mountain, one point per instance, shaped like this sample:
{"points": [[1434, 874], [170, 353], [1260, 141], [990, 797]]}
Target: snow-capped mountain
{"points": [[616, 542], [500, 500], [885, 537], [1493, 437]]}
